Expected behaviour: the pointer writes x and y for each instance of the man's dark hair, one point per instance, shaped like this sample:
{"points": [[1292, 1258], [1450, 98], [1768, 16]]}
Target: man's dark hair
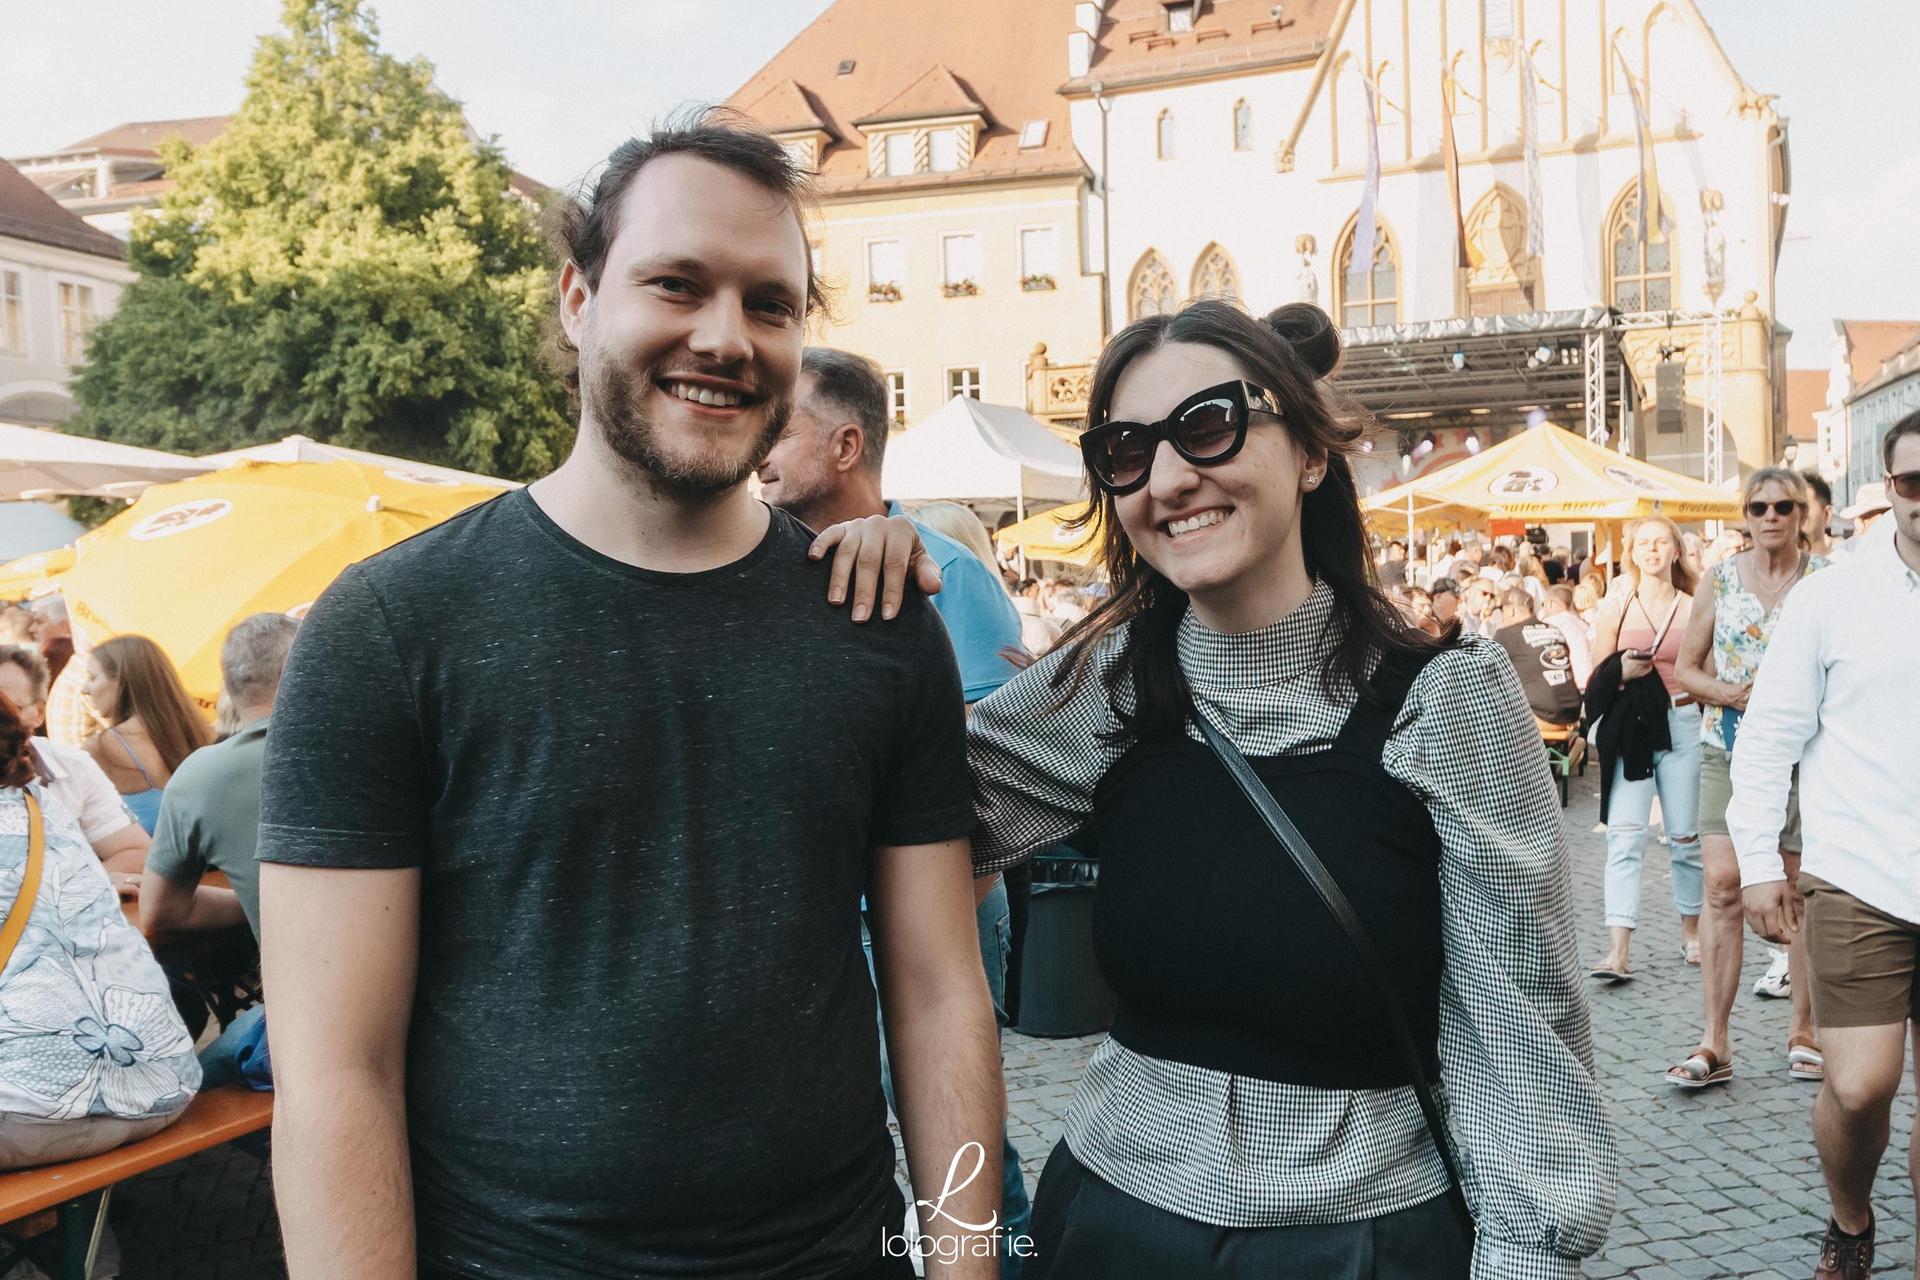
{"points": [[1818, 484], [1907, 426], [582, 227], [1445, 587], [853, 386]]}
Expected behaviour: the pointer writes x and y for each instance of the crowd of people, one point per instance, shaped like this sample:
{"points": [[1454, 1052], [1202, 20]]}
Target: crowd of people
{"points": [[621, 851], [112, 814]]}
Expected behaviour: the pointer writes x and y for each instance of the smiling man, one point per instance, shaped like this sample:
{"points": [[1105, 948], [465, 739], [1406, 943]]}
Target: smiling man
{"points": [[570, 805]]}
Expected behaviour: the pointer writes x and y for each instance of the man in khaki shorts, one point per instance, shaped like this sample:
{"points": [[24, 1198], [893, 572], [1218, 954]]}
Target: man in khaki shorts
{"points": [[1839, 695]]}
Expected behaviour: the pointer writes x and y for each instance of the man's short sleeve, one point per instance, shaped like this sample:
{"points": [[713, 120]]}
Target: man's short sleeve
{"points": [[981, 621], [926, 794], [174, 852], [346, 771], [102, 812]]}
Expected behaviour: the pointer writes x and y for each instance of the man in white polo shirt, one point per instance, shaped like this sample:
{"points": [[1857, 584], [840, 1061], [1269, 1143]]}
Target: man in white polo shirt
{"points": [[1839, 696], [71, 776]]}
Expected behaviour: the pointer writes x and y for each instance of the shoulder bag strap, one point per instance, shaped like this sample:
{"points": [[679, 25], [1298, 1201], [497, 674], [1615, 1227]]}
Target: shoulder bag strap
{"points": [[29, 883], [1335, 900]]}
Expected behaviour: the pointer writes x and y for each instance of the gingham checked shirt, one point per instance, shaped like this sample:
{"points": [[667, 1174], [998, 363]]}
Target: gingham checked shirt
{"points": [[1515, 1045]]}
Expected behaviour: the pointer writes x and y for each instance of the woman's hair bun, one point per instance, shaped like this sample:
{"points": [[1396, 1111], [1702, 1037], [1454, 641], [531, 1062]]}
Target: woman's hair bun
{"points": [[1310, 332]]}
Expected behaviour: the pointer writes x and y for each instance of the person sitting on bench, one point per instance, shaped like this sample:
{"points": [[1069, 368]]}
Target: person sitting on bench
{"points": [[92, 1052], [1539, 654]]}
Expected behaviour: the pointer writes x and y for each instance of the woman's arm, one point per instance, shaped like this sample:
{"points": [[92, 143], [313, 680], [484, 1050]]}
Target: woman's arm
{"points": [[1035, 768], [1692, 669], [1516, 1045]]}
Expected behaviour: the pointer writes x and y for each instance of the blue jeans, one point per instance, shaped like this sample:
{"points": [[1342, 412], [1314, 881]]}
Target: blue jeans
{"points": [[220, 1061], [996, 941], [1676, 778]]}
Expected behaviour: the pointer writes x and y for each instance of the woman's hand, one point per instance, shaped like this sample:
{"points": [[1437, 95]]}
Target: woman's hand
{"points": [[1632, 668], [1737, 695], [875, 554]]}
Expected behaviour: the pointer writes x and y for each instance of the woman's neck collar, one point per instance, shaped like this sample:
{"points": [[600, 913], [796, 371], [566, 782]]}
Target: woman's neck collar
{"points": [[1243, 607]]}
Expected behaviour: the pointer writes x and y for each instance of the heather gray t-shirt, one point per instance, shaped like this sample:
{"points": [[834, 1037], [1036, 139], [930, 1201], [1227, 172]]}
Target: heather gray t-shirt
{"points": [[643, 1041]]}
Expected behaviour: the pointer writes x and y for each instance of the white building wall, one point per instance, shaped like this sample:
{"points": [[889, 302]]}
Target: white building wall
{"points": [[1208, 192], [34, 384]]}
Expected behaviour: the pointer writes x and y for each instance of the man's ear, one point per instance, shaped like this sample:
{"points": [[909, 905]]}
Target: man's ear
{"points": [[575, 295], [849, 447]]}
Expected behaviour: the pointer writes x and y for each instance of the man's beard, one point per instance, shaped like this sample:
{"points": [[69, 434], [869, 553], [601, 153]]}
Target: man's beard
{"points": [[614, 398]]}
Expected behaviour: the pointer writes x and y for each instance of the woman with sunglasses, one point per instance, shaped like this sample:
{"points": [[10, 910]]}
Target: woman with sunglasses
{"points": [[1732, 623], [1251, 1113]]}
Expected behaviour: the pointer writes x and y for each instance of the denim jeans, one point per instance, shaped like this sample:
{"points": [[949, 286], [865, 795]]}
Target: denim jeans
{"points": [[219, 1061], [1676, 778], [996, 941]]}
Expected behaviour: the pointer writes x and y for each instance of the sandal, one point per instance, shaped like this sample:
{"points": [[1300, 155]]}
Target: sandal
{"points": [[1690, 952], [1701, 1069], [1611, 976], [1804, 1060]]}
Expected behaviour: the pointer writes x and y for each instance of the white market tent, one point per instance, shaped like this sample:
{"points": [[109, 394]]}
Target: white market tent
{"points": [[298, 448], [38, 462], [973, 452]]}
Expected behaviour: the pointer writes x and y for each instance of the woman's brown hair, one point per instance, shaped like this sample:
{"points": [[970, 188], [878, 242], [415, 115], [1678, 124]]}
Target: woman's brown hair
{"points": [[16, 747], [150, 688], [1288, 353]]}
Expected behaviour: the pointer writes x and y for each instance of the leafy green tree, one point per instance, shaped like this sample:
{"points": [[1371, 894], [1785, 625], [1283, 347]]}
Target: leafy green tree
{"points": [[343, 261]]}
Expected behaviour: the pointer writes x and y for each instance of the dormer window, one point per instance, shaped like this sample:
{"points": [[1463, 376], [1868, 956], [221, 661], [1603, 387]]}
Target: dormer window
{"points": [[1033, 134], [1180, 15], [845, 68], [944, 149]]}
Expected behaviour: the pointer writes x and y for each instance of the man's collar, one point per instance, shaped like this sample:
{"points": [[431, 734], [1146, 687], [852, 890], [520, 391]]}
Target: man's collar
{"points": [[46, 764]]}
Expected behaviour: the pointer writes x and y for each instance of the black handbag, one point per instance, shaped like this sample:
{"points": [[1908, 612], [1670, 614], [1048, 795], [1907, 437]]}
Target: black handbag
{"points": [[1368, 955]]}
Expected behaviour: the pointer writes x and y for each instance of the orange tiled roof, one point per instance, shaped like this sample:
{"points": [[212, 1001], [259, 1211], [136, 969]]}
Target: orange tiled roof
{"points": [[1003, 58], [1871, 343], [28, 213], [933, 95], [1136, 47], [1806, 395], [785, 108]]}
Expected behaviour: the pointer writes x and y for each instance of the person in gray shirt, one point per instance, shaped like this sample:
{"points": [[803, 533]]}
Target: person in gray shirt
{"points": [[210, 816]]}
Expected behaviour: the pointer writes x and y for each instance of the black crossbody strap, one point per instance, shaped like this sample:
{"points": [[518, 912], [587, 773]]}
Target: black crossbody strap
{"points": [[1330, 893]]}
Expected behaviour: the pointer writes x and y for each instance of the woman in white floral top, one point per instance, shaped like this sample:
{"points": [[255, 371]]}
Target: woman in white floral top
{"points": [[1726, 638]]}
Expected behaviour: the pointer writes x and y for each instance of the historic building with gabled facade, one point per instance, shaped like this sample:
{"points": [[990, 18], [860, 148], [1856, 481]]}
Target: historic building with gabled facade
{"points": [[1237, 132], [953, 209], [1180, 148]]}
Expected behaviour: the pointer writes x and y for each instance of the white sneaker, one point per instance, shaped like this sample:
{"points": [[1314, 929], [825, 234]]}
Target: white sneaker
{"points": [[1776, 983]]}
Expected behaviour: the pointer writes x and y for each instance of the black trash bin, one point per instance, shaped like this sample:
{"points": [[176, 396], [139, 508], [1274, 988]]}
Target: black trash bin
{"points": [[1061, 990]]}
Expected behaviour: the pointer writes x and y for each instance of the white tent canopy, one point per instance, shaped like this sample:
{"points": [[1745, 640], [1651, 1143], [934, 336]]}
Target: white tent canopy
{"points": [[298, 448], [974, 452], [37, 462]]}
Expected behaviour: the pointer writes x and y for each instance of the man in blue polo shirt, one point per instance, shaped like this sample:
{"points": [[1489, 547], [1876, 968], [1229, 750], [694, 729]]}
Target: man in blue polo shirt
{"points": [[825, 469]]}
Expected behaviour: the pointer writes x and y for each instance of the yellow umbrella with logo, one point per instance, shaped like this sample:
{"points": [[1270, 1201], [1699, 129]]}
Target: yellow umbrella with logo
{"points": [[1547, 474], [33, 575], [188, 560], [1047, 537]]}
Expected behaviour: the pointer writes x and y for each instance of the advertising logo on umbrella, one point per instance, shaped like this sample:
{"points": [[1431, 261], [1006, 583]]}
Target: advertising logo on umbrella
{"points": [[1522, 482], [179, 519], [1638, 481], [422, 477]]}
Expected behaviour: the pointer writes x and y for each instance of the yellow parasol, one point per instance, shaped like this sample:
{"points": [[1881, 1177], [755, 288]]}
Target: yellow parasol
{"points": [[33, 575], [1547, 474], [1046, 536], [188, 560]]}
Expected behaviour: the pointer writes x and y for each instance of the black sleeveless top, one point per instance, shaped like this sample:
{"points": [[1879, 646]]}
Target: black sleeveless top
{"points": [[1218, 950]]}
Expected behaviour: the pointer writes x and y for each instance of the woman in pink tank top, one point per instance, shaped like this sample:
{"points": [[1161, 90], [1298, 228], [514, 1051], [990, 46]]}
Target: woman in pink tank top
{"points": [[1644, 618]]}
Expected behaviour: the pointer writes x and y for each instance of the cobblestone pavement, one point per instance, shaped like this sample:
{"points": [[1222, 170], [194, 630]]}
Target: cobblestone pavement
{"points": [[1719, 1184]]}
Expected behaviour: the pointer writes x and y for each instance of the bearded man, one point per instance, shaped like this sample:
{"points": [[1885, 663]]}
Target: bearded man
{"points": [[569, 807]]}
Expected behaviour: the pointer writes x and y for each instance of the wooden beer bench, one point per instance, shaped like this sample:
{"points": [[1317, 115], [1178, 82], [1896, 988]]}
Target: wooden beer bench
{"points": [[60, 1197]]}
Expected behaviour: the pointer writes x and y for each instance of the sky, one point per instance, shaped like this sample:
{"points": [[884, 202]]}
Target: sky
{"points": [[560, 82]]}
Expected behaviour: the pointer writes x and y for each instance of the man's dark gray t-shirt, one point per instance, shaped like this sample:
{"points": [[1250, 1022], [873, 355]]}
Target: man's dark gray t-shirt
{"points": [[643, 803]]}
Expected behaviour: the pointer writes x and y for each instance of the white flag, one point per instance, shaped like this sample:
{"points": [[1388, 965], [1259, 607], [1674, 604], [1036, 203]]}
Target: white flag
{"points": [[1364, 231], [1530, 141]]}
